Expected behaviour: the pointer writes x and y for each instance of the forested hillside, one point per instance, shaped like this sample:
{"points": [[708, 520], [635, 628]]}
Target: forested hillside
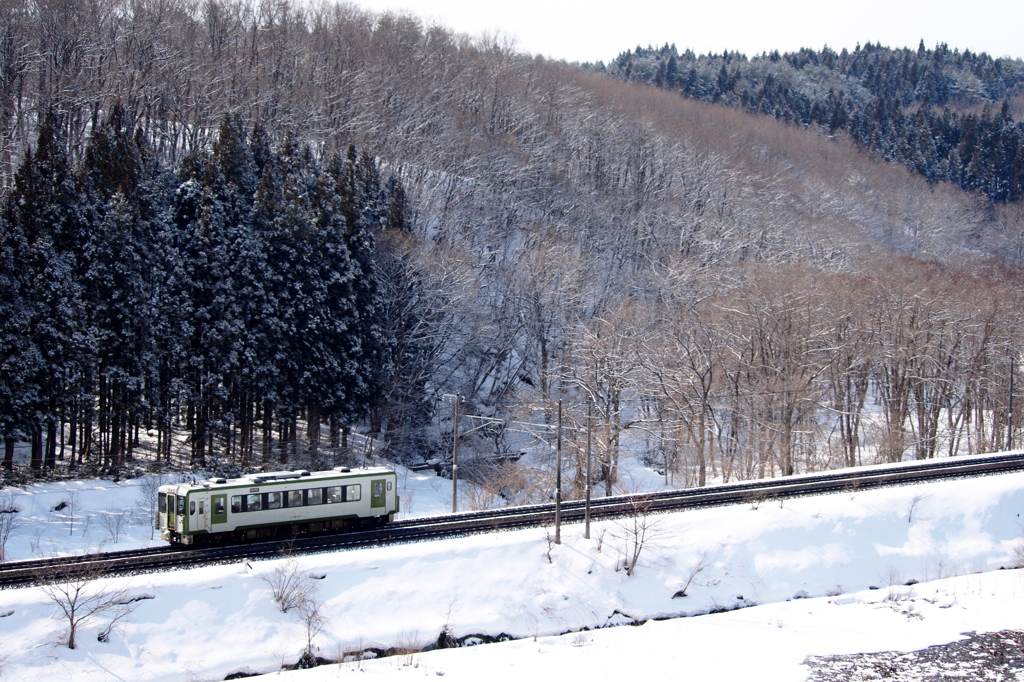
{"points": [[947, 115], [238, 221], [230, 295]]}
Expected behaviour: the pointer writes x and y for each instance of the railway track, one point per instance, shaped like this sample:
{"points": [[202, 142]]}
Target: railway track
{"points": [[412, 530]]}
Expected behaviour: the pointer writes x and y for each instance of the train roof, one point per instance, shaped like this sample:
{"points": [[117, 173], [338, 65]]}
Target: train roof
{"points": [[263, 478]]}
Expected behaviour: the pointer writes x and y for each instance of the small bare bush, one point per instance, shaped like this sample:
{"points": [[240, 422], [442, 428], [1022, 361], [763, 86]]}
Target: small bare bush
{"points": [[314, 620], [148, 496], [703, 561], [9, 521], [914, 505], [294, 590], [756, 498], [898, 588], [69, 508], [289, 585], [79, 598], [639, 530], [114, 523], [1018, 554], [406, 648]]}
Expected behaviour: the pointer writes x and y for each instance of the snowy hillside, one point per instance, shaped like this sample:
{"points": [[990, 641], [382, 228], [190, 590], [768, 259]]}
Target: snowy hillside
{"points": [[874, 570]]}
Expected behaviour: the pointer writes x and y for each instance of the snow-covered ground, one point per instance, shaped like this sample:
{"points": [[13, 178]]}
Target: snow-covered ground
{"points": [[787, 581]]}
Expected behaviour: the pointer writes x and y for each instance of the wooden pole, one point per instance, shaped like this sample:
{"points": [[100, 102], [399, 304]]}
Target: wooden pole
{"points": [[586, 513], [455, 457]]}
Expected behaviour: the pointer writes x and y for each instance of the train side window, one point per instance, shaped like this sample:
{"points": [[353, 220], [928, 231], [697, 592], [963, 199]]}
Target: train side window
{"points": [[192, 508], [163, 503], [334, 494], [252, 502], [294, 498], [236, 503], [314, 495], [353, 493], [273, 500]]}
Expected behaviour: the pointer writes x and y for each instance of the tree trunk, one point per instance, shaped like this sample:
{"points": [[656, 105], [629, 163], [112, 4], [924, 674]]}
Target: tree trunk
{"points": [[313, 434], [9, 452], [36, 458], [50, 463], [268, 430]]}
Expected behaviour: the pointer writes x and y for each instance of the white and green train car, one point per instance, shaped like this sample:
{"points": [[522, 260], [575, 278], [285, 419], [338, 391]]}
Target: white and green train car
{"points": [[283, 503]]}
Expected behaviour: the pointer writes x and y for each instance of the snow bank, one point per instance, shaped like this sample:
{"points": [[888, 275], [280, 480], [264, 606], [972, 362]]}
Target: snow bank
{"points": [[788, 557]]}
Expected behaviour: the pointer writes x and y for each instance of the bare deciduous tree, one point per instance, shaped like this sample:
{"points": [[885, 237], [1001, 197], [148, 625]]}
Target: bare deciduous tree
{"points": [[9, 521], [79, 596], [290, 585], [295, 590], [781, 352], [69, 508], [148, 497], [701, 565], [114, 521], [603, 365], [639, 530], [314, 620], [682, 359]]}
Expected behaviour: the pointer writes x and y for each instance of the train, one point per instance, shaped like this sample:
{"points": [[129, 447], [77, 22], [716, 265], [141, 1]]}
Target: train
{"points": [[264, 506]]}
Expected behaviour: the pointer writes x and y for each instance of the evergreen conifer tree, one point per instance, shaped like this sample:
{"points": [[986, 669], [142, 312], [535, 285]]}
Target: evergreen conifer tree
{"points": [[43, 213], [118, 279]]}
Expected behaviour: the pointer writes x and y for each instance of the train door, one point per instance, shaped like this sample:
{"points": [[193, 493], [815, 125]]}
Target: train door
{"points": [[182, 515], [219, 509], [198, 510], [205, 509], [161, 511], [378, 495], [171, 507]]}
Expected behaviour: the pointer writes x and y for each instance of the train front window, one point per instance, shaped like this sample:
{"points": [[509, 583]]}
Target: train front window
{"points": [[181, 506]]}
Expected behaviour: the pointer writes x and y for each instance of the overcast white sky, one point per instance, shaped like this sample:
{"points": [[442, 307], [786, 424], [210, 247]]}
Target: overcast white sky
{"points": [[592, 30]]}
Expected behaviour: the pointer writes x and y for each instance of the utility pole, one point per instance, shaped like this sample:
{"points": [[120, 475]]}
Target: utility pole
{"points": [[455, 456], [1009, 426], [558, 478], [586, 513], [456, 435]]}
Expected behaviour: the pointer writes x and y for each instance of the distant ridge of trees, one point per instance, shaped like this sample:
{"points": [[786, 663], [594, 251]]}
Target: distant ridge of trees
{"points": [[918, 108]]}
